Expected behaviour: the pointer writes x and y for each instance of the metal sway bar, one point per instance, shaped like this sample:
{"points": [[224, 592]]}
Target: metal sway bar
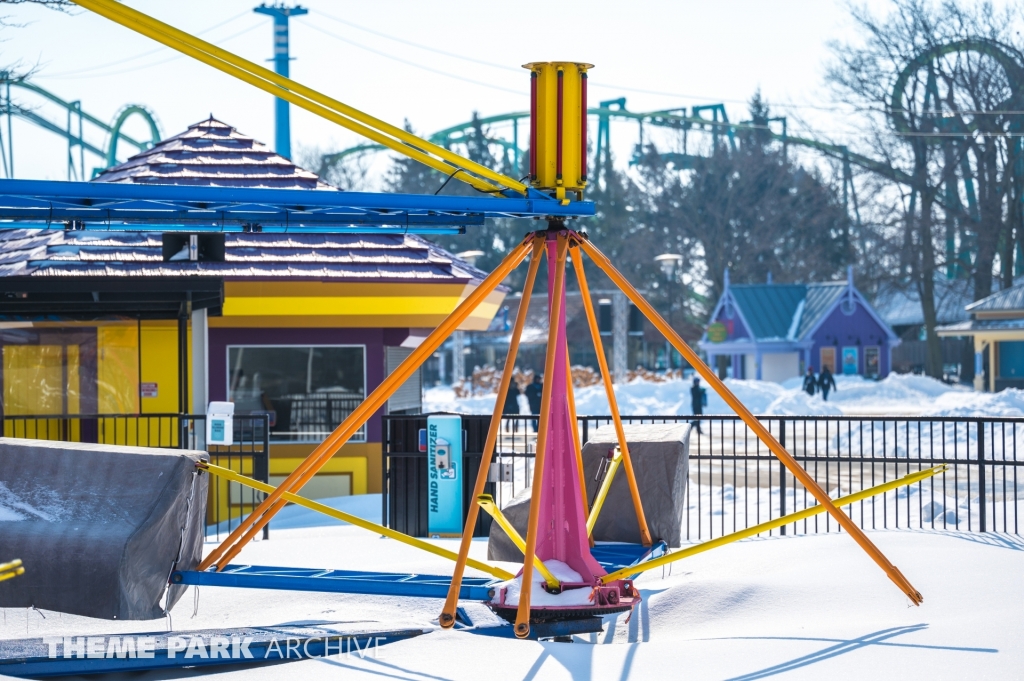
{"points": [[244, 533], [602, 492], [486, 502], [756, 426], [609, 391], [384, 133], [447, 617], [352, 519], [628, 573], [11, 570]]}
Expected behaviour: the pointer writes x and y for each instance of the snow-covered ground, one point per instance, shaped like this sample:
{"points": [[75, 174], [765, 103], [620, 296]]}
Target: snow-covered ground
{"points": [[790, 607], [897, 394]]}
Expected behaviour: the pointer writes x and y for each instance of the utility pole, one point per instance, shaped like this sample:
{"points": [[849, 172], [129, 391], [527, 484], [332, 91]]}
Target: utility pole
{"points": [[620, 336], [282, 123]]}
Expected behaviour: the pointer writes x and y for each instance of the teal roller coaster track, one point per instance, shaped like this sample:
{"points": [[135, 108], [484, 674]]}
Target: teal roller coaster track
{"points": [[935, 124], [73, 131]]}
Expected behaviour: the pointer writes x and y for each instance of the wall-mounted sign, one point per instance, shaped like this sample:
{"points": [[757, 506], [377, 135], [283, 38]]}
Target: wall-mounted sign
{"points": [[148, 389], [220, 426], [717, 333], [850, 361], [444, 476]]}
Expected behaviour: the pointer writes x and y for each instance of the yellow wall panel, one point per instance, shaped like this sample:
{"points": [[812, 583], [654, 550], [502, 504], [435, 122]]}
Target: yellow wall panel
{"points": [[33, 379], [160, 366], [117, 370]]}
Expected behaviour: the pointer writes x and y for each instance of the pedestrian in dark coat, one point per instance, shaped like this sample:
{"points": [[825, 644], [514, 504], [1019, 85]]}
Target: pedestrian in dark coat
{"points": [[810, 381], [511, 399], [826, 382], [697, 398], [534, 391]]}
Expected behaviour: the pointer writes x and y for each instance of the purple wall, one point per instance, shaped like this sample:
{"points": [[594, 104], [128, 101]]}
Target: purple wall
{"points": [[373, 339], [858, 330], [734, 327]]}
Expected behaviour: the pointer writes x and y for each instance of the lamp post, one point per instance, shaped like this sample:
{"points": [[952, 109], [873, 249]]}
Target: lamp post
{"points": [[671, 265]]}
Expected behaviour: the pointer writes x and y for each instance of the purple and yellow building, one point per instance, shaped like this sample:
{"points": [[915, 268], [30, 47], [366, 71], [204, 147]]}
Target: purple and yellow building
{"points": [[300, 326]]}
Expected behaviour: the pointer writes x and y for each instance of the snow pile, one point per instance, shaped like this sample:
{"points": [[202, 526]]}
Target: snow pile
{"points": [[538, 596], [904, 394], [9, 514], [13, 507]]}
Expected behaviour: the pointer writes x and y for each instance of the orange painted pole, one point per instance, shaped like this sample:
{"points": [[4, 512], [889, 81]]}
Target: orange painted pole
{"points": [[762, 433], [613, 405], [447, 618], [228, 549], [522, 627]]}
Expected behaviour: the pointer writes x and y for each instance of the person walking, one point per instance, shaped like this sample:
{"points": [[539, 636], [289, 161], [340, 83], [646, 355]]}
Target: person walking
{"points": [[826, 382], [810, 382], [698, 398], [511, 405], [534, 391]]}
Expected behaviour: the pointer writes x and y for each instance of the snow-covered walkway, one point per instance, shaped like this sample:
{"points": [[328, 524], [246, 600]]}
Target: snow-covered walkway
{"points": [[789, 607], [897, 394]]}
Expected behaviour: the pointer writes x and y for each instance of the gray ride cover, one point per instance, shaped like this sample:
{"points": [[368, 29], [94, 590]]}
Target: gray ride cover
{"points": [[99, 528], [660, 456]]}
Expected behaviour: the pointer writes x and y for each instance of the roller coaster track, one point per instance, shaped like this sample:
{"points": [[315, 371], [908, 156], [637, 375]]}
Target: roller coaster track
{"points": [[74, 138], [719, 127], [944, 123]]}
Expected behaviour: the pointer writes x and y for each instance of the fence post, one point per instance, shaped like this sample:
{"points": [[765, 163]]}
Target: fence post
{"points": [[385, 450], [981, 475], [261, 462], [586, 430], [782, 476]]}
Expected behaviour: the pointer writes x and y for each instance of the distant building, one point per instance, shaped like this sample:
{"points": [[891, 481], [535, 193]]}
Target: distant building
{"points": [[307, 326], [773, 332], [900, 307], [996, 327]]}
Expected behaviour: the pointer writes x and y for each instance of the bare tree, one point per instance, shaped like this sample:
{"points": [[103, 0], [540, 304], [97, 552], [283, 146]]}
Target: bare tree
{"points": [[937, 86]]}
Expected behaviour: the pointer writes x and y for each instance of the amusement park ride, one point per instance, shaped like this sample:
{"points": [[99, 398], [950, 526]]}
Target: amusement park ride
{"points": [[558, 528]]}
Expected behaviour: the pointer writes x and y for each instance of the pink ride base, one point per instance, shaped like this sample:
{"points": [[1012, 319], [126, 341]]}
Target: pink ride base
{"points": [[562, 526]]}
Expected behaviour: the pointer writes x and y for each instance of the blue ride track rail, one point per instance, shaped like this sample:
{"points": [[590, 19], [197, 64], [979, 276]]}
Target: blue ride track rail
{"points": [[116, 206], [611, 557]]}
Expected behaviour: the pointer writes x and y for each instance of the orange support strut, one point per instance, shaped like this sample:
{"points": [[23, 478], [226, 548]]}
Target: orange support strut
{"points": [[606, 377], [447, 618], [234, 543], [762, 433]]}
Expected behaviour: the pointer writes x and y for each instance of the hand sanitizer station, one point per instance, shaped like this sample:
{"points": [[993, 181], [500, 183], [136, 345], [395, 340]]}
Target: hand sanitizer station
{"points": [[444, 476]]}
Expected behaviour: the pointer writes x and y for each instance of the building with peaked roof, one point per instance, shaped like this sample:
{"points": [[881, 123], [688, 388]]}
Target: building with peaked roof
{"points": [[996, 327], [212, 153], [301, 326], [773, 332]]}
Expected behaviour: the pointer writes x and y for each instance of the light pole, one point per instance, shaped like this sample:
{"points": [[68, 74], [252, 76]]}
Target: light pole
{"points": [[671, 265]]}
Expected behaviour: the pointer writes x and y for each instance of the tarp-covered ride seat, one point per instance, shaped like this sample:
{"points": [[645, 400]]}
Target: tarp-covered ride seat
{"points": [[99, 528], [660, 456]]}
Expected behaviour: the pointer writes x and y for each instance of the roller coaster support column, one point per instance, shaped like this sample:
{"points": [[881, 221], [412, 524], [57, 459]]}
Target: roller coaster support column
{"points": [[282, 123]]}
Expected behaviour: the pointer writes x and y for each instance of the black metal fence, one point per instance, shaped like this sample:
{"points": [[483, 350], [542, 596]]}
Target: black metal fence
{"points": [[736, 482], [228, 502]]}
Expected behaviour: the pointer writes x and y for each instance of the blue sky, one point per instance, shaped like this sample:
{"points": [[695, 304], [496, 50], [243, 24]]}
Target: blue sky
{"points": [[363, 53]]}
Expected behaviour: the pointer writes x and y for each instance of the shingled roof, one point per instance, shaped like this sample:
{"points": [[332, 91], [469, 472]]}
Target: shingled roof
{"points": [[212, 154], [384, 258]]}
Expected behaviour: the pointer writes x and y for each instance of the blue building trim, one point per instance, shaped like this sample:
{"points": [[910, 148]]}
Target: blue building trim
{"points": [[115, 205]]}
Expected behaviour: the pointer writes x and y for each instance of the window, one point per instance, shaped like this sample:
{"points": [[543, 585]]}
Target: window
{"points": [[871, 361], [828, 359], [307, 390]]}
